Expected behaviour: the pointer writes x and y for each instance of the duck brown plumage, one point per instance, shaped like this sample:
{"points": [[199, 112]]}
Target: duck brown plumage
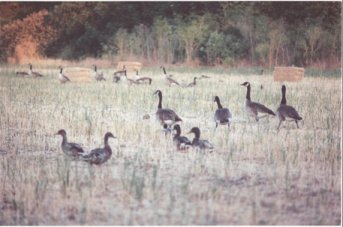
{"points": [[285, 111], [100, 155], [72, 150], [253, 108]]}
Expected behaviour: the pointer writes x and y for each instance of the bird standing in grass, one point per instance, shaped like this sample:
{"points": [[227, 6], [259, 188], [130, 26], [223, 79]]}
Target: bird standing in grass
{"points": [[199, 144], [164, 115], [34, 74], [253, 108], [285, 111], [100, 155], [98, 76], [62, 78], [222, 115], [72, 150]]}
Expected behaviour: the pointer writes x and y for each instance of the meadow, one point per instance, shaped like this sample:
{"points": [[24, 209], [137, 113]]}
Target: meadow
{"points": [[256, 175]]}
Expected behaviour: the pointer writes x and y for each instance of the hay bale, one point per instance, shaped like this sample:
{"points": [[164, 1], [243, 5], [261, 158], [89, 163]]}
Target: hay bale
{"points": [[78, 74], [129, 65], [291, 74]]}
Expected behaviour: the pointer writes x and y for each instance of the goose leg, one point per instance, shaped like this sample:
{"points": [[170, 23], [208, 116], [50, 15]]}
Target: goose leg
{"points": [[297, 123], [279, 125]]}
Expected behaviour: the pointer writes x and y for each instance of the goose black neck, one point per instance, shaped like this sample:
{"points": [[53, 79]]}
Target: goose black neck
{"points": [[283, 100], [30, 67], [61, 70], [195, 80], [248, 93], [137, 73], [95, 68], [164, 70], [197, 134], [178, 132], [218, 103], [106, 141], [64, 139], [159, 100]]}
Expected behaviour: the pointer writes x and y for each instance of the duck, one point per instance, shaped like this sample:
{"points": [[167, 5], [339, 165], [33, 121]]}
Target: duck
{"points": [[181, 142], [34, 74], [169, 80], [193, 83], [253, 108], [142, 80], [72, 150], [98, 76], [199, 144], [164, 115], [99, 156], [222, 115], [62, 78], [285, 111]]}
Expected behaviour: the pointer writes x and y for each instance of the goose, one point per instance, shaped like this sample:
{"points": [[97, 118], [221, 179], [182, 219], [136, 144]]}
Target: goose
{"points": [[35, 74], [222, 115], [253, 108], [169, 80], [98, 76], [142, 80], [193, 83], [181, 142], [197, 143], [166, 129], [285, 111], [21, 73], [63, 78], [72, 150], [129, 81], [164, 115], [120, 72], [100, 155]]}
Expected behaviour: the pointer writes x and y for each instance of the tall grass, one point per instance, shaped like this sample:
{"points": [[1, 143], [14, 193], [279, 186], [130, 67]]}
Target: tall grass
{"points": [[256, 175]]}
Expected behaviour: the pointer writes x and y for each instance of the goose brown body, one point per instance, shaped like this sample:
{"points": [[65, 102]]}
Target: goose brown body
{"points": [[169, 80], [72, 150], [285, 111], [61, 77], [222, 115], [100, 155], [198, 143], [164, 115], [34, 74], [181, 142], [253, 108], [193, 83], [98, 76], [143, 80]]}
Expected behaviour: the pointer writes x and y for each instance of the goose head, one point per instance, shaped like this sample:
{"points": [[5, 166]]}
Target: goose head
{"points": [[196, 131], [158, 92], [245, 84], [216, 99], [61, 132], [109, 135]]}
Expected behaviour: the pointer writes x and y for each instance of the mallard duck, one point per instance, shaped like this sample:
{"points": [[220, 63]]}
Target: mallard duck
{"points": [[164, 115], [285, 111], [199, 144], [72, 150], [100, 155], [181, 142], [222, 115], [253, 108]]}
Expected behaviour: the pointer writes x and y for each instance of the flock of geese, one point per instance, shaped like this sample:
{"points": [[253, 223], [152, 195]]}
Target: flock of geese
{"points": [[168, 117]]}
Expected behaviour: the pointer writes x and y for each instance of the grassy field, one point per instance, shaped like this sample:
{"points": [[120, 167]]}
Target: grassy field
{"points": [[256, 174]]}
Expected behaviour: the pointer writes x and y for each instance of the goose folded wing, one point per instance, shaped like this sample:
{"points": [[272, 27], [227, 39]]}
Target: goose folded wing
{"points": [[222, 115], [262, 108], [291, 113], [76, 148]]}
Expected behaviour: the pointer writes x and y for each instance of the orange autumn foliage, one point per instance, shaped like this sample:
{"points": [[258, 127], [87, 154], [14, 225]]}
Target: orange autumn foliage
{"points": [[26, 39]]}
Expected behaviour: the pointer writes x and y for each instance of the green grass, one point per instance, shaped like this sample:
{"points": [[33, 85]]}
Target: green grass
{"points": [[256, 174]]}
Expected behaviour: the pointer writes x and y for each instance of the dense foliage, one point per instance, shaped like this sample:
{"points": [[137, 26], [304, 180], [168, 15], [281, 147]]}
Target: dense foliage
{"points": [[209, 33]]}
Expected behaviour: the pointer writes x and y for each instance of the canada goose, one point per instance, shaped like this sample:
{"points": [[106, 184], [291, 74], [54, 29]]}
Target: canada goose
{"points": [[166, 129], [222, 115], [116, 79], [100, 155], [205, 77], [35, 74], [198, 143], [181, 142], [253, 108], [98, 76], [21, 73], [120, 72], [63, 78], [164, 115], [143, 80], [193, 83], [169, 80], [129, 81], [72, 150], [285, 111]]}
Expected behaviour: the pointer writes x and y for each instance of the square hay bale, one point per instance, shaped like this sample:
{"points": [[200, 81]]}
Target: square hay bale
{"points": [[78, 74], [291, 74], [129, 65]]}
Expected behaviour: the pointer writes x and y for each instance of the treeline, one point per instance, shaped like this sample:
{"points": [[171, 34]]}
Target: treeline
{"points": [[207, 33]]}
